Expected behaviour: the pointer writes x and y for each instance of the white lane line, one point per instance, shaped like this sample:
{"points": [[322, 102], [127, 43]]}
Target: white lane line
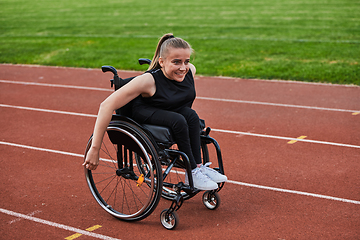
{"points": [[57, 85], [57, 225], [229, 181], [198, 97], [215, 130], [295, 192], [277, 104], [30, 214], [42, 149], [48, 110], [285, 138]]}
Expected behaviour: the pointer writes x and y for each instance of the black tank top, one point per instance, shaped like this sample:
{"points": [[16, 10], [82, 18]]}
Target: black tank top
{"points": [[169, 95]]}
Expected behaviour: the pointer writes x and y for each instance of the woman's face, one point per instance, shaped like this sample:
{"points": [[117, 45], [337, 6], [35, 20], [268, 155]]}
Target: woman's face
{"points": [[176, 64]]}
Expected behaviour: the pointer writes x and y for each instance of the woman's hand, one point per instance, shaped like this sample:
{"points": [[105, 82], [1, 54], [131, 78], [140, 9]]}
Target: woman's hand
{"points": [[92, 159]]}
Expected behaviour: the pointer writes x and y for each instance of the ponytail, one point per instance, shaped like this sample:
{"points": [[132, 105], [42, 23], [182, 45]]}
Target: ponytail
{"points": [[165, 42]]}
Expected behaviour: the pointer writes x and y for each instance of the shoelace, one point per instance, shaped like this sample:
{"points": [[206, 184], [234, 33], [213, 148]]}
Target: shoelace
{"points": [[207, 164], [200, 175]]}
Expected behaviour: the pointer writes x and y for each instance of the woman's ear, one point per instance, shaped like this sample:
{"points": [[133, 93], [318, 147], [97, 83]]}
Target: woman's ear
{"points": [[161, 62]]}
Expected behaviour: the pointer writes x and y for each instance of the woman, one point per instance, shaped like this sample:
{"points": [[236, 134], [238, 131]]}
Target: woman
{"points": [[166, 93]]}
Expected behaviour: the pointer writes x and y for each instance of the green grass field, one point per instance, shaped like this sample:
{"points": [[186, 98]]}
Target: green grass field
{"points": [[306, 40]]}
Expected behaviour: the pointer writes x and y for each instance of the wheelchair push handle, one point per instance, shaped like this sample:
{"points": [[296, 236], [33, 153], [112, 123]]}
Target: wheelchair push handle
{"points": [[117, 80], [106, 68], [109, 69], [143, 61]]}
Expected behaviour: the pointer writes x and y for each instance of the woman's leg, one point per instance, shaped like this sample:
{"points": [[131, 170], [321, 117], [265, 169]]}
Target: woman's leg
{"points": [[179, 126], [193, 123]]}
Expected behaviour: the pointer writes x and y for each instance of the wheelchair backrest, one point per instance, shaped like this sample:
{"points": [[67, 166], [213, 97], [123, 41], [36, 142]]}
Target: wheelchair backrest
{"points": [[127, 109], [119, 82]]}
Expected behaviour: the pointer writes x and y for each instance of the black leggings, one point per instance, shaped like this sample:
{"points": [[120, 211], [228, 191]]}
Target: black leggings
{"points": [[186, 128]]}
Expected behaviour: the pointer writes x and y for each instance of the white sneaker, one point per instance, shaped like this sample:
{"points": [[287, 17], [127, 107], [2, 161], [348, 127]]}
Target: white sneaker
{"points": [[213, 174], [201, 181]]}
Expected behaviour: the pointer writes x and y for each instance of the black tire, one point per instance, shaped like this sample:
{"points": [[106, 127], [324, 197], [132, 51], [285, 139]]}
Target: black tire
{"points": [[126, 157], [169, 220], [211, 200]]}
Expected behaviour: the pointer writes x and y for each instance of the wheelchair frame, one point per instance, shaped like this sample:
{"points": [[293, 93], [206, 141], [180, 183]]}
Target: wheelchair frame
{"points": [[138, 165]]}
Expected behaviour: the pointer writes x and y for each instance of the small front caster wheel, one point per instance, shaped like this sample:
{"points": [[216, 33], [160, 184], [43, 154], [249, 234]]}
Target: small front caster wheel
{"points": [[211, 200], [169, 220]]}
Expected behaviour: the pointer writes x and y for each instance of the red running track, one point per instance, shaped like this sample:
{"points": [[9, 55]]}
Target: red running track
{"points": [[309, 189]]}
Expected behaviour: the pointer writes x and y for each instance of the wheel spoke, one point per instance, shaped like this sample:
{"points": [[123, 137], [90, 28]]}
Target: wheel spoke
{"points": [[117, 190]]}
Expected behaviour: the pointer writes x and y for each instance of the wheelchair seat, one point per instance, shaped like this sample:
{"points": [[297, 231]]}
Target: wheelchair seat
{"points": [[161, 134]]}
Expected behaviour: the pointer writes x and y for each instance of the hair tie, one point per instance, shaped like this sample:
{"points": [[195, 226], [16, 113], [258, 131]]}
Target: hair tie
{"points": [[171, 36]]}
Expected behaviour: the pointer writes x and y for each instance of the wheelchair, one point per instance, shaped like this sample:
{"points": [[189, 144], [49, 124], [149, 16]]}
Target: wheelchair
{"points": [[140, 163]]}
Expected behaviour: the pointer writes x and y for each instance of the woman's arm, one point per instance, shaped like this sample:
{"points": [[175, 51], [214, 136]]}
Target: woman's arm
{"points": [[144, 85]]}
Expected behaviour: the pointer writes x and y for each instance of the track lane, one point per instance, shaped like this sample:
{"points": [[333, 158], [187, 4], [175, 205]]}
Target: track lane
{"points": [[338, 127], [250, 212], [282, 92], [259, 119], [289, 92], [275, 169], [67, 97], [246, 211]]}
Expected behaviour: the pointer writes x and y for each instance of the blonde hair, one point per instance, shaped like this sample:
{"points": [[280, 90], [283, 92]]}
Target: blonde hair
{"points": [[167, 41]]}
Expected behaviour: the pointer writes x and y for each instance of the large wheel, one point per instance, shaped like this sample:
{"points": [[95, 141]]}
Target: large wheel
{"points": [[128, 181]]}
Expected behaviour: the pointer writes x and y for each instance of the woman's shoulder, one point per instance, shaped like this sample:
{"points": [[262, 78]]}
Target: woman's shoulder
{"points": [[144, 78], [145, 83]]}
